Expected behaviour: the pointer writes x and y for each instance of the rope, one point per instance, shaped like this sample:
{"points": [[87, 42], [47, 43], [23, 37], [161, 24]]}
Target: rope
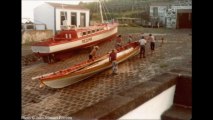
{"points": [[107, 11], [104, 10]]}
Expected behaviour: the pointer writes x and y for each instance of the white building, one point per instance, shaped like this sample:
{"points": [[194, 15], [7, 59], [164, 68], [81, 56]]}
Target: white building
{"points": [[172, 14], [55, 15]]}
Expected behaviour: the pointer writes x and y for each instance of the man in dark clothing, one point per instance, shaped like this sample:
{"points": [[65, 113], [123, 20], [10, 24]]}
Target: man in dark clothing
{"points": [[118, 41], [142, 42]]}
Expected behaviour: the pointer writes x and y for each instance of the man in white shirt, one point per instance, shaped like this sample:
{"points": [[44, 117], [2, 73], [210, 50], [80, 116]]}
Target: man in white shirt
{"points": [[142, 42], [152, 42]]}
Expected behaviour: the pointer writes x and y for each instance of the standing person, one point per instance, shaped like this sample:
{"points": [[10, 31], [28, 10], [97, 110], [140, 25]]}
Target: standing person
{"points": [[149, 24], [130, 39], [118, 41], [162, 41], [158, 24], [152, 43], [112, 59], [92, 54], [52, 58], [142, 42]]}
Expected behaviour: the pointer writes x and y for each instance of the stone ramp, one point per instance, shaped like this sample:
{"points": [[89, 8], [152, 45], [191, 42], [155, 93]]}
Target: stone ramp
{"points": [[119, 104]]}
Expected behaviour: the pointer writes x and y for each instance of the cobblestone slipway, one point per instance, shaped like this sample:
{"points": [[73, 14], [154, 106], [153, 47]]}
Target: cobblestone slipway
{"points": [[176, 52]]}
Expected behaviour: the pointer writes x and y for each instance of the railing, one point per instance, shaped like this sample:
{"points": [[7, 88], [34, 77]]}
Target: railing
{"points": [[68, 27]]}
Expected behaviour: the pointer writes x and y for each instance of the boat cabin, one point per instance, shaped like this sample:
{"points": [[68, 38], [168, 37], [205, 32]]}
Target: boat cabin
{"points": [[73, 34]]}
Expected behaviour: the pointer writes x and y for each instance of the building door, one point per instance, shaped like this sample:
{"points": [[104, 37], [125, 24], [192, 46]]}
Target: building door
{"points": [[184, 20], [155, 11], [73, 18], [82, 19]]}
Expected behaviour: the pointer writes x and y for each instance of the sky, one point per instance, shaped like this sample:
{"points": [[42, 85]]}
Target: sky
{"points": [[28, 6]]}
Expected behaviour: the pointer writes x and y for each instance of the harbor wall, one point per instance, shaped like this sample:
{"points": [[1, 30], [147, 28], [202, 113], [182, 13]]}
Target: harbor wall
{"points": [[30, 36]]}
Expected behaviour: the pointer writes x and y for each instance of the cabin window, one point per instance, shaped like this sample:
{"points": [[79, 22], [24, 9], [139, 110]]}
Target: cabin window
{"points": [[88, 32], [63, 16], [70, 36], [84, 33], [66, 36], [97, 29], [93, 31]]}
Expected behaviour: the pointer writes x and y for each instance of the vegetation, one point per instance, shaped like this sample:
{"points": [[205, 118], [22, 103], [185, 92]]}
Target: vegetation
{"points": [[120, 8]]}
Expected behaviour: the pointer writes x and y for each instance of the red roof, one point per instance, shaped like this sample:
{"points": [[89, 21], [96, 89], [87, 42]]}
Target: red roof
{"points": [[67, 6]]}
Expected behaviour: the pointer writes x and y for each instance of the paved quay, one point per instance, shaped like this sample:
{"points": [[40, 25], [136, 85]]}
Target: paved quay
{"points": [[174, 53]]}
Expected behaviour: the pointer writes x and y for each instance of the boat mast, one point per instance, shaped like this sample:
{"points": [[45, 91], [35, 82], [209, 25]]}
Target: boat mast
{"points": [[102, 21]]}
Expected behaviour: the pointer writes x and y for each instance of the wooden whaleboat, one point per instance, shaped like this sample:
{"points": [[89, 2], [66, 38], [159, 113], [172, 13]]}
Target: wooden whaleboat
{"points": [[87, 69]]}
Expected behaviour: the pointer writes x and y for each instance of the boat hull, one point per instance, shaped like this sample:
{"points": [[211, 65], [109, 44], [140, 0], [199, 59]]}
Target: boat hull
{"points": [[87, 72], [79, 43]]}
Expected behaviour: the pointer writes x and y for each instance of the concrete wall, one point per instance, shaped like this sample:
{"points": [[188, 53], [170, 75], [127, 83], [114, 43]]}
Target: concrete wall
{"points": [[58, 25], [153, 108], [35, 35], [172, 18], [168, 15], [161, 13], [44, 14]]}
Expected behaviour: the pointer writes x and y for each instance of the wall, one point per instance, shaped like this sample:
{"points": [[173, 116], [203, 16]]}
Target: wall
{"points": [[153, 108], [169, 17], [44, 14], [161, 13], [35, 35], [58, 25]]}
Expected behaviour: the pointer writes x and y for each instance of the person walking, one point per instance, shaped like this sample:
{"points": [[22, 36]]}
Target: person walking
{"points": [[142, 42], [118, 41], [130, 39], [152, 43], [162, 41], [92, 54], [112, 59]]}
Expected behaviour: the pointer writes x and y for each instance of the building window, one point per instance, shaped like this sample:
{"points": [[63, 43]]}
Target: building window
{"points": [[155, 11], [63, 16], [82, 19], [73, 18]]}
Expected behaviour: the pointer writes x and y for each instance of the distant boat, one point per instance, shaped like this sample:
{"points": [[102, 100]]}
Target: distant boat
{"points": [[86, 69], [72, 38]]}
